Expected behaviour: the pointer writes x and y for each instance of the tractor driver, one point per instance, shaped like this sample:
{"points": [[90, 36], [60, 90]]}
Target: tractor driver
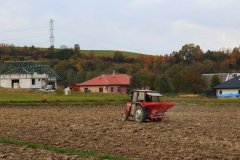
{"points": [[148, 98]]}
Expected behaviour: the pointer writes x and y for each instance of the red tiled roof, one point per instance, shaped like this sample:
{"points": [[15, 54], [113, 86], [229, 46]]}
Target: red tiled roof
{"points": [[113, 79]]}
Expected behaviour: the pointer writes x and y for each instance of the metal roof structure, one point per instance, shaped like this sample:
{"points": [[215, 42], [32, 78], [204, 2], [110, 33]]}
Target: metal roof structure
{"points": [[26, 67], [230, 84]]}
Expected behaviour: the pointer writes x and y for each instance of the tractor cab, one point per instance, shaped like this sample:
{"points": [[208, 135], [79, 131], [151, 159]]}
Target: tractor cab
{"points": [[146, 104], [145, 96]]}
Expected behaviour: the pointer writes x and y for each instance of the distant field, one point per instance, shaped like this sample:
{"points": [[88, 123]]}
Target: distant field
{"points": [[33, 97], [103, 52], [109, 52], [203, 101], [8, 96]]}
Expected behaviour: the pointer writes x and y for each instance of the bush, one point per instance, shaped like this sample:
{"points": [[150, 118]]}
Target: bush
{"points": [[214, 81], [59, 91]]}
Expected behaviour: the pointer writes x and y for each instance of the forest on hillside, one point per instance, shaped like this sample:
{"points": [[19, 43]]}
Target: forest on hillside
{"points": [[180, 71]]}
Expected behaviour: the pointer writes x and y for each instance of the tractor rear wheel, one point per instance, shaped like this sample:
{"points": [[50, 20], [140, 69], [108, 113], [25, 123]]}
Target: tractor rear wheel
{"points": [[124, 117], [140, 114]]}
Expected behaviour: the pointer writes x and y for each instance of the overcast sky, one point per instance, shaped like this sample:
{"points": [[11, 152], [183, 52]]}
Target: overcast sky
{"points": [[146, 26]]}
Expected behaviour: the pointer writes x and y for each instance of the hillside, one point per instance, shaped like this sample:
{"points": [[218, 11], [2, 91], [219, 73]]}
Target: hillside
{"points": [[181, 71], [99, 52], [111, 52]]}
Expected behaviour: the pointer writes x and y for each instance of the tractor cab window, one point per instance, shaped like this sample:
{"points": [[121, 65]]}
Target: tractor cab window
{"points": [[141, 96], [134, 97], [152, 98], [155, 99], [148, 98]]}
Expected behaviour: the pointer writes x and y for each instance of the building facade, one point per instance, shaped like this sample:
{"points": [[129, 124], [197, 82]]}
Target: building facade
{"points": [[230, 88], [114, 83], [27, 75], [223, 77]]}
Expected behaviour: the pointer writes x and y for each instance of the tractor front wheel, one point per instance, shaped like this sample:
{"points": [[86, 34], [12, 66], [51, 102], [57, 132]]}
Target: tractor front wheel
{"points": [[140, 114]]}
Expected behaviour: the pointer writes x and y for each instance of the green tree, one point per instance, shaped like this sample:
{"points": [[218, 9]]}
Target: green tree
{"points": [[81, 76], [215, 81], [136, 81], [175, 75], [76, 47], [64, 54], [118, 57], [71, 76], [77, 52], [142, 79], [162, 84]]}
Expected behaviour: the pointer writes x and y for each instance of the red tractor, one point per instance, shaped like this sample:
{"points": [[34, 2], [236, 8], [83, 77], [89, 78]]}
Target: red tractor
{"points": [[145, 104]]}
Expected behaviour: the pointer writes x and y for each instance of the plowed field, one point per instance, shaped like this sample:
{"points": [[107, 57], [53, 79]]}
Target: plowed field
{"points": [[12, 152], [187, 132]]}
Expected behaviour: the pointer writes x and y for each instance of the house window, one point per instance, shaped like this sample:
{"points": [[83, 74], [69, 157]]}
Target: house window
{"points": [[33, 82], [111, 89], [220, 92], [85, 90], [100, 89], [119, 89]]}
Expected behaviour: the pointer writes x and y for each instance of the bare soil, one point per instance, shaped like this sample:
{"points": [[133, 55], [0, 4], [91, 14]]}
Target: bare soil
{"points": [[187, 132]]}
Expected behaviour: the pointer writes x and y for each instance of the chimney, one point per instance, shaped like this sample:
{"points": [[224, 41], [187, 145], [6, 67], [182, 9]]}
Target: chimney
{"points": [[113, 74]]}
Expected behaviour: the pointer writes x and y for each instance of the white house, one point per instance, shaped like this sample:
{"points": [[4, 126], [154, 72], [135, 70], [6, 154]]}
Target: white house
{"points": [[222, 77], [230, 88], [28, 75]]}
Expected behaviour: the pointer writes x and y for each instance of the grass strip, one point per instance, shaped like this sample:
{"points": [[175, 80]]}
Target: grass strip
{"points": [[70, 151]]}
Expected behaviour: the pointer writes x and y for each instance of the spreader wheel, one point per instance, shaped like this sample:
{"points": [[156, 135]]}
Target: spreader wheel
{"points": [[124, 117], [140, 114]]}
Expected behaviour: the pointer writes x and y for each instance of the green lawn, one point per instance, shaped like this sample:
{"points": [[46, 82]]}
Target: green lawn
{"points": [[203, 101], [8, 96], [101, 52], [34, 97]]}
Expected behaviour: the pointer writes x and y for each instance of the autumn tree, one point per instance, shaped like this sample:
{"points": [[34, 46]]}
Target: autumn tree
{"points": [[234, 59], [190, 53]]}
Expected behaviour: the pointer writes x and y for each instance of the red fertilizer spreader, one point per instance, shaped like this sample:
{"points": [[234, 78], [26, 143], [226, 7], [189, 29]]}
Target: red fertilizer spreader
{"points": [[146, 104]]}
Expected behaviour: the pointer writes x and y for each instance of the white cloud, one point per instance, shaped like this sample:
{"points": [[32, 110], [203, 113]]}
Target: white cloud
{"points": [[216, 3], [207, 37], [137, 25], [145, 3]]}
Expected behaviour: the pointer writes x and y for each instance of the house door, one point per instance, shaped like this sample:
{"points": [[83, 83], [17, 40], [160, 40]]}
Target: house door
{"points": [[15, 83], [52, 84]]}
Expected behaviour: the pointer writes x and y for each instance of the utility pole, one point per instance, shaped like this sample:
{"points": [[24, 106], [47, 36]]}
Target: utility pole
{"points": [[51, 33]]}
